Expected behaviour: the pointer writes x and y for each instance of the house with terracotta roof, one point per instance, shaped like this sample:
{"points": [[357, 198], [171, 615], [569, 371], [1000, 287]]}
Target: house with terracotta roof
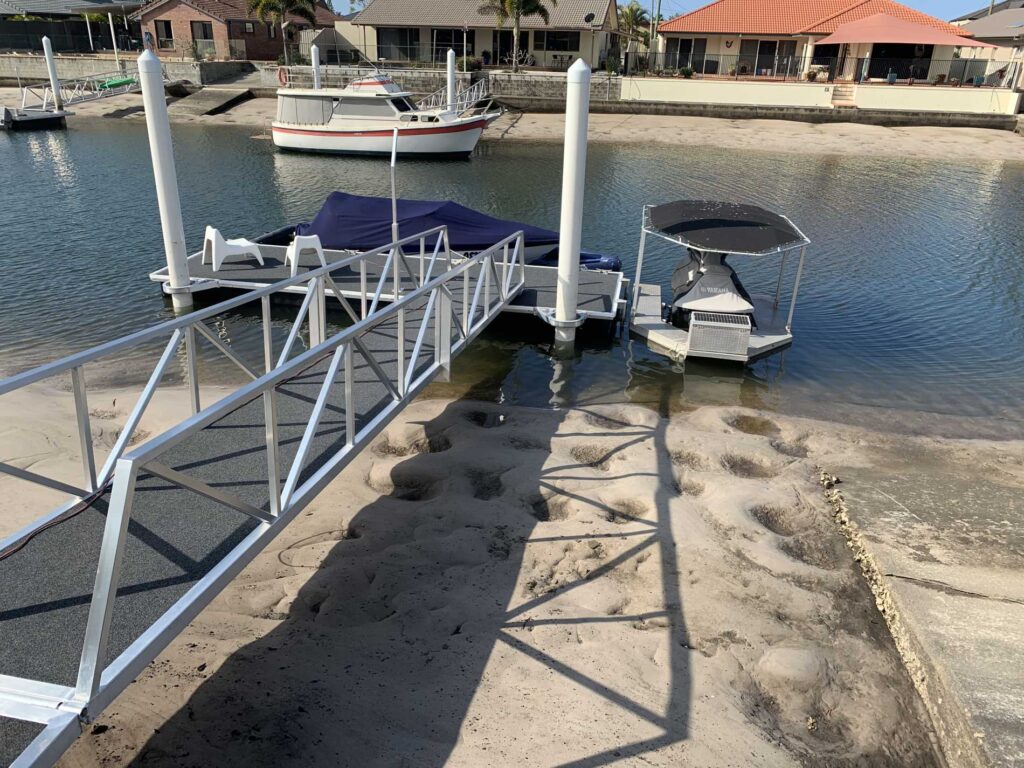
{"points": [[424, 30], [783, 38], [220, 29]]}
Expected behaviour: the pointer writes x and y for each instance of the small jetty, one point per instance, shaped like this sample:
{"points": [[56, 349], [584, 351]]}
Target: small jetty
{"points": [[154, 531], [602, 294]]}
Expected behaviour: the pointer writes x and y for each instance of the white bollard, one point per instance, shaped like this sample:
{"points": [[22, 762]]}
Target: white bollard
{"points": [[113, 38], [451, 80], [159, 129], [574, 167], [314, 60], [51, 70]]}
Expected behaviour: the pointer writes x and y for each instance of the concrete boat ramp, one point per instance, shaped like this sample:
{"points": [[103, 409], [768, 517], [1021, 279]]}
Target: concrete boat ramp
{"points": [[98, 587]]}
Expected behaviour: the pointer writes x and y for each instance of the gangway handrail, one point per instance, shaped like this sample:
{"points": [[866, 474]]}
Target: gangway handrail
{"points": [[464, 99], [488, 284]]}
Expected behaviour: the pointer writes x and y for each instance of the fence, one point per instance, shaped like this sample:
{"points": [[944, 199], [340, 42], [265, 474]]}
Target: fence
{"points": [[69, 36], [954, 72]]}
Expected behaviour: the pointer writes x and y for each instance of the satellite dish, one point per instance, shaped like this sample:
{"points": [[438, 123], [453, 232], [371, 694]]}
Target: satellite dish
{"points": [[588, 18]]}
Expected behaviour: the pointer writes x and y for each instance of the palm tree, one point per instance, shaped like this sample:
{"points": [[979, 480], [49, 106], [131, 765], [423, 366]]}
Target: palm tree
{"points": [[632, 17], [515, 10], [276, 11]]}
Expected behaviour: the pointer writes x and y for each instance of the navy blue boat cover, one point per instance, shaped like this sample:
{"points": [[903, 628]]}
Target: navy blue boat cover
{"points": [[358, 223]]}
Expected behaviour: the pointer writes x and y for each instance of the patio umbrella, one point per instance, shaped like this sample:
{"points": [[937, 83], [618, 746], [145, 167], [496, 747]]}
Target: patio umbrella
{"points": [[883, 28]]}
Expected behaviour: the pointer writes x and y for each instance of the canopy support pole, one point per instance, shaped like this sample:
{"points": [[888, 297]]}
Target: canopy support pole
{"points": [[778, 287], [796, 289], [639, 270]]}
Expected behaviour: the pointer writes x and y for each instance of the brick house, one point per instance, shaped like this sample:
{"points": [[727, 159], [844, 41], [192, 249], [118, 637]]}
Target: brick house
{"points": [[220, 29]]}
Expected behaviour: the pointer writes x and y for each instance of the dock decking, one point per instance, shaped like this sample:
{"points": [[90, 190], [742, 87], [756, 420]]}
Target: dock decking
{"points": [[601, 294]]}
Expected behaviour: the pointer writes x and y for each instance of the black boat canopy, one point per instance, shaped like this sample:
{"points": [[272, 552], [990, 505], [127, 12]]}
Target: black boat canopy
{"points": [[707, 225]]}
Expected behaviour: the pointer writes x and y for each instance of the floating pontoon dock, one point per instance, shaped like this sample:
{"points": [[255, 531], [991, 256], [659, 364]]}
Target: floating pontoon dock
{"points": [[602, 294], [97, 588]]}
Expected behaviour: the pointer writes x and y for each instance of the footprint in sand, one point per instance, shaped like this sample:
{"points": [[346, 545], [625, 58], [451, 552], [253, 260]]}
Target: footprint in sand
{"points": [[689, 459], [625, 511], [775, 518], [745, 466], [592, 456], [550, 507], [754, 425], [487, 419], [389, 447]]}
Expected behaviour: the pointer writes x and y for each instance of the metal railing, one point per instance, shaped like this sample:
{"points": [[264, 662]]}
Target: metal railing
{"points": [[794, 68], [40, 97], [467, 98], [447, 311]]}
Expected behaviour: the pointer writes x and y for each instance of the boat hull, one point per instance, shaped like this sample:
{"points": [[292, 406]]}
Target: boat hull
{"points": [[458, 139]]}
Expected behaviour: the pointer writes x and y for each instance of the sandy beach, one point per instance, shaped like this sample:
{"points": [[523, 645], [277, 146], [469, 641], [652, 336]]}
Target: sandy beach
{"points": [[496, 585], [499, 585], [777, 135]]}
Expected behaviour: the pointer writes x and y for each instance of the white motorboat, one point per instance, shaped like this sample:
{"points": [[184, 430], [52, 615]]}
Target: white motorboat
{"points": [[711, 314], [361, 118]]}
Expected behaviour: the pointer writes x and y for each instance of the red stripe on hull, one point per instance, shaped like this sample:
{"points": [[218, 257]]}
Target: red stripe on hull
{"points": [[401, 131]]}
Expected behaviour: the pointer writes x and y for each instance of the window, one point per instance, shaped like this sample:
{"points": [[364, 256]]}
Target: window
{"points": [[365, 108], [443, 39], [250, 28], [202, 30], [556, 41], [398, 43], [402, 105], [271, 31], [164, 37]]}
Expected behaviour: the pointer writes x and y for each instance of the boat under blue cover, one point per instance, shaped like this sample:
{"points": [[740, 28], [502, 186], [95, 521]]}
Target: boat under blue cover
{"points": [[360, 223]]}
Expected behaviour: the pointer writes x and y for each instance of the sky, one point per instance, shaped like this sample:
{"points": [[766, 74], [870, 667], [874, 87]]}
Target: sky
{"points": [[944, 9]]}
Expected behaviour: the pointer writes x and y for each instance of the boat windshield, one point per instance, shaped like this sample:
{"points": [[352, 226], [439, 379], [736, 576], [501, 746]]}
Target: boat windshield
{"points": [[402, 104]]}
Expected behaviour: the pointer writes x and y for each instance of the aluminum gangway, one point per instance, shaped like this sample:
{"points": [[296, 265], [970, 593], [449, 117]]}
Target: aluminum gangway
{"points": [[41, 97], [95, 589]]}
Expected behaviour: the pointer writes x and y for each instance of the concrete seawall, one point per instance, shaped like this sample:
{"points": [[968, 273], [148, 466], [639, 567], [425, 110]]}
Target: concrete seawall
{"points": [[32, 69]]}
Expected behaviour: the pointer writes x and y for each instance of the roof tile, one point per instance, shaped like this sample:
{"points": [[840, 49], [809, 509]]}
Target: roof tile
{"points": [[792, 17]]}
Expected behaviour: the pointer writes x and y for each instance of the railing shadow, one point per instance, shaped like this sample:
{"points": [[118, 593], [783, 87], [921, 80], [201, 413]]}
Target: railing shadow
{"points": [[384, 648]]}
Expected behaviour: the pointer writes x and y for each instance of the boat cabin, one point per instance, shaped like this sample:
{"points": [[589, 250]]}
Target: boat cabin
{"points": [[711, 314], [372, 97]]}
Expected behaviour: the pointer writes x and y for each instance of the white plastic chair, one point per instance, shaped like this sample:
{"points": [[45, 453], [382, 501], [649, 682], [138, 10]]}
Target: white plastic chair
{"points": [[300, 245], [217, 249]]}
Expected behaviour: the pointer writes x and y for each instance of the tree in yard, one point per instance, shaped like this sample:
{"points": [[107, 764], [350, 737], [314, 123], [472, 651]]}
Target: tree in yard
{"points": [[632, 17], [515, 11], [277, 11]]}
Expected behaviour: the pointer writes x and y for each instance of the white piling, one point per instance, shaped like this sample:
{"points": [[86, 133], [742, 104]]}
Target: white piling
{"points": [[88, 31], [314, 60], [574, 167], [113, 38], [451, 80], [51, 70], [159, 129]]}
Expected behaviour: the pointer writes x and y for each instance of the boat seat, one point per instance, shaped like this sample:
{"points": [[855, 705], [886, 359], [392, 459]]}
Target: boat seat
{"points": [[216, 249], [300, 245]]}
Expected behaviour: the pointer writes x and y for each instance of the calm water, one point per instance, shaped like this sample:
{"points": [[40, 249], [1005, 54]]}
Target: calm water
{"points": [[911, 311]]}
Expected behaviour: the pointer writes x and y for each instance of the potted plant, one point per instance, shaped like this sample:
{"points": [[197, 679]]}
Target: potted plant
{"points": [[686, 72], [940, 79], [812, 75]]}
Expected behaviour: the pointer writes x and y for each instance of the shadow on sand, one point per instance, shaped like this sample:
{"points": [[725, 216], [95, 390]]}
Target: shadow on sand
{"points": [[383, 650]]}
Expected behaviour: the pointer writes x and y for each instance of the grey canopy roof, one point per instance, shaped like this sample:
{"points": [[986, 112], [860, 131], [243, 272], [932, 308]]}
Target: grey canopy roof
{"points": [[707, 225]]}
